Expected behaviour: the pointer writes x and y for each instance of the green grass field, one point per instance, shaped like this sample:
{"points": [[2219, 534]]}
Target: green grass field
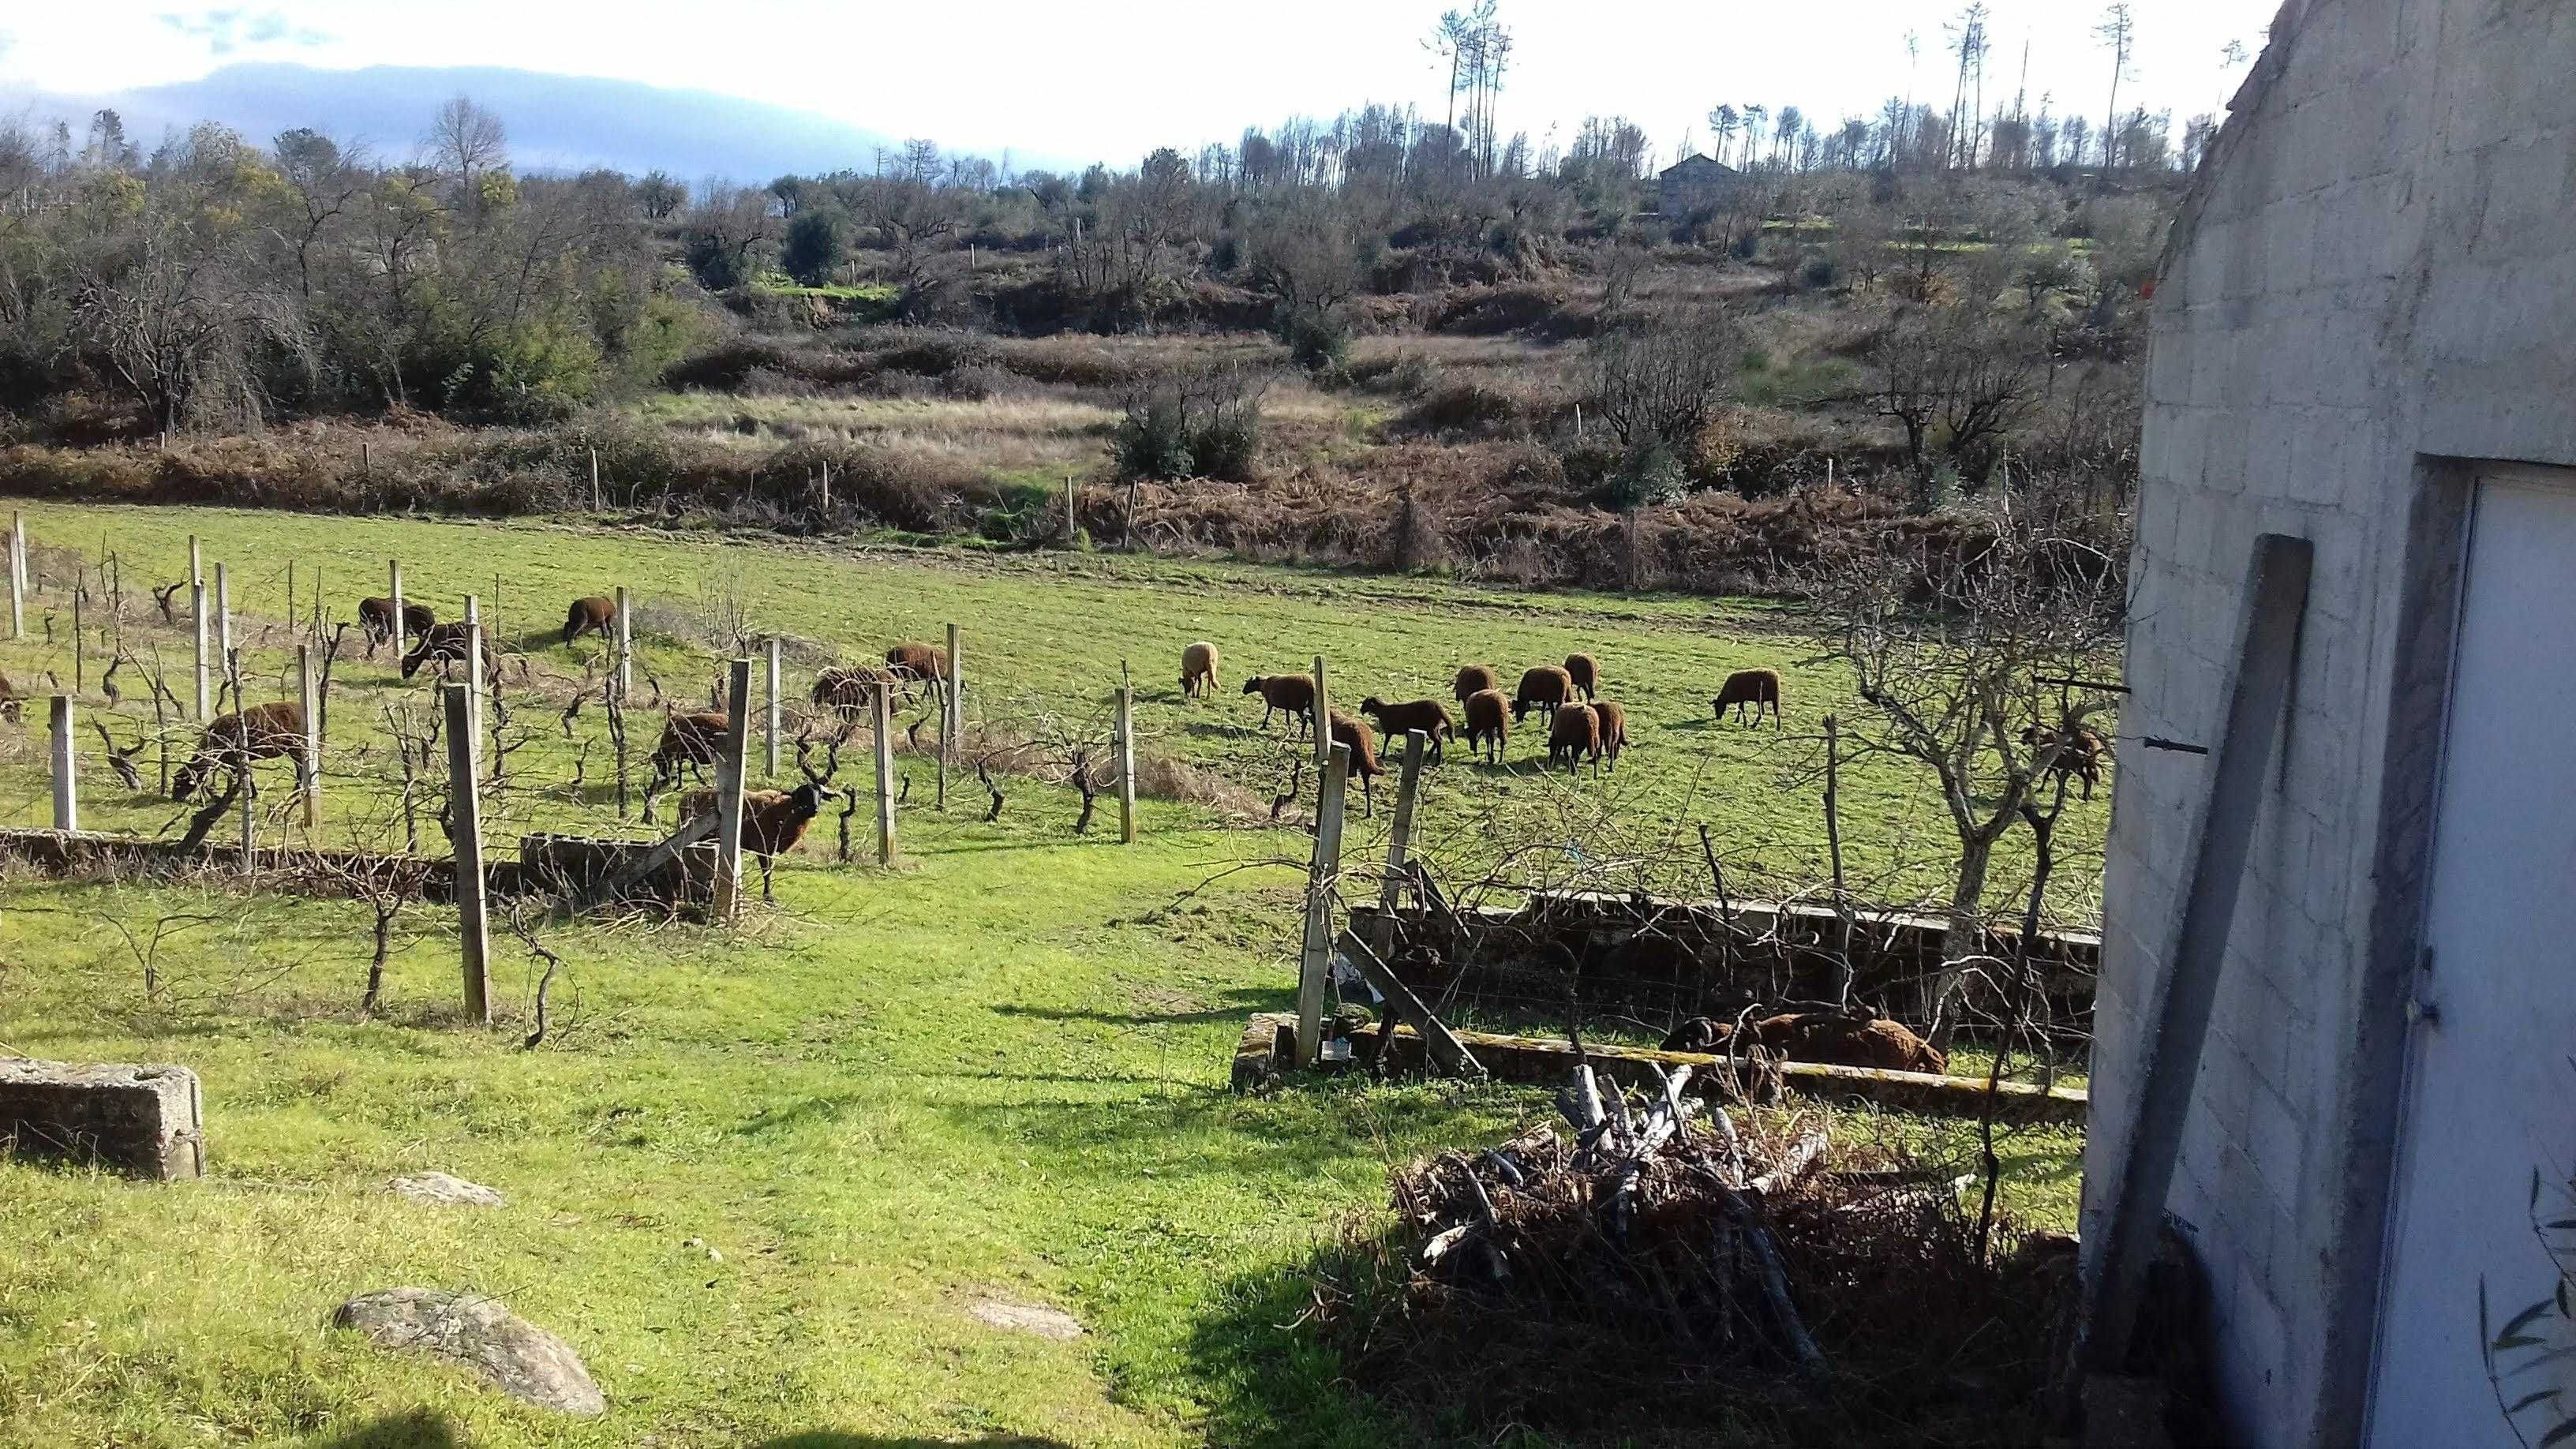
{"points": [[760, 1180]]}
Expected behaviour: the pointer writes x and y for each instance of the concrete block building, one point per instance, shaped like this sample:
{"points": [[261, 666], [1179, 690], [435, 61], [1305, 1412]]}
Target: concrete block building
{"points": [[1696, 183], [2365, 336]]}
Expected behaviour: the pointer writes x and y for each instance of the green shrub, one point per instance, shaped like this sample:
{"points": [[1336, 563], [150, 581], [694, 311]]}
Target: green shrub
{"points": [[1154, 442], [1319, 342], [1820, 272], [813, 250], [1229, 446]]}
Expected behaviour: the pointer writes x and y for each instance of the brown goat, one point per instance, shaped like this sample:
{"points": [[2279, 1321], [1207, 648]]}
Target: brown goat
{"points": [[1198, 669], [1572, 733], [773, 821], [1543, 689], [846, 688], [376, 620], [446, 644], [688, 741], [1585, 671], [2083, 755], [1474, 680], [1293, 694], [1364, 765], [1396, 720], [1488, 718], [1754, 687], [1614, 730], [593, 615], [261, 732], [1817, 1036]]}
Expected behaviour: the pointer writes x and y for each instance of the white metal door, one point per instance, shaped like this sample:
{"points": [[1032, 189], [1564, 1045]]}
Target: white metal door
{"points": [[2491, 1091]]}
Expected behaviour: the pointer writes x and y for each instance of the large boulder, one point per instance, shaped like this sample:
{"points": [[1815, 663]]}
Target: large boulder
{"points": [[472, 1331]]}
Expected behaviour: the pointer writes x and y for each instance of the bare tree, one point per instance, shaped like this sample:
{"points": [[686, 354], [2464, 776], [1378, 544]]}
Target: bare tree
{"points": [[1948, 374], [2118, 33], [468, 142]]}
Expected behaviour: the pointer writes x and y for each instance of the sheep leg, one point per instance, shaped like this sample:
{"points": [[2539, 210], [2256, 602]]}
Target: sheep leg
{"points": [[765, 893]]}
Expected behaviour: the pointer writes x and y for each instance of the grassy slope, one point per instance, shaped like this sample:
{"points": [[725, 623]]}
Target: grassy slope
{"points": [[989, 1071]]}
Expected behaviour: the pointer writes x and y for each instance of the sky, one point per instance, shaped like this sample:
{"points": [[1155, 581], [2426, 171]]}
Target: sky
{"points": [[1067, 82]]}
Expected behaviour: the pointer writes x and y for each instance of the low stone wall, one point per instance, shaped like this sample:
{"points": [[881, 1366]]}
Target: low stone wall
{"points": [[144, 1121]]}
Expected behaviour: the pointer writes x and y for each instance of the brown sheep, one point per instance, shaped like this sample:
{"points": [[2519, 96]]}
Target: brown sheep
{"points": [[1614, 730], [1488, 718], [261, 732], [927, 662], [1754, 687], [1572, 733], [773, 821], [593, 615], [446, 644], [1543, 689], [1818, 1036], [1364, 765], [1585, 671], [2083, 756], [376, 620], [688, 740], [1198, 669], [1473, 680], [1396, 720], [846, 688], [1293, 694]]}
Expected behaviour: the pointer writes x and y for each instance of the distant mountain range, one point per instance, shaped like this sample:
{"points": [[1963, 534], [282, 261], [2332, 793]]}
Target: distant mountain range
{"points": [[555, 122]]}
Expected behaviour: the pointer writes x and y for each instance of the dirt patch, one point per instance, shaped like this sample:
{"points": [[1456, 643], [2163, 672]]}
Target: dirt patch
{"points": [[1013, 1316]]}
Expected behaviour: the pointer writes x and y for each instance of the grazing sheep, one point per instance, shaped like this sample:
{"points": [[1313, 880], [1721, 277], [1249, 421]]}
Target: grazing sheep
{"points": [[1473, 680], [688, 740], [376, 620], [2083, 756], [1614, 730], [1543, 689], [1364, 765], [446, 644], [1293, 694], [1198, 669], [1395, 720], [261, 732], [1827, 1037], [593, 615], [846, 688], [1585, 671], [773, 821], [919, 661], [1754, 687], [1488, 718], [1572, 733]]}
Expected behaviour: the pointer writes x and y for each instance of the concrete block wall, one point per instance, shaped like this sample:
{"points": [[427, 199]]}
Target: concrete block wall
{"points": [[2374, 272]]}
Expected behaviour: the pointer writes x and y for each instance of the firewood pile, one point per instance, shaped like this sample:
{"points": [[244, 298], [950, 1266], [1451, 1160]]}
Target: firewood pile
{"points": [[1647, 1264]]}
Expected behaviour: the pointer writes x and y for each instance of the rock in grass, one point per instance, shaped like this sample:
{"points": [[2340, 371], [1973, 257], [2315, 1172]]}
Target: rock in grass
{"points": [[1035, 1318], [439, 1189], [479, 1333]]}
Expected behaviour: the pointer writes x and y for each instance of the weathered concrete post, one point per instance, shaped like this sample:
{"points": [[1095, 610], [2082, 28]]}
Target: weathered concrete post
{"points": [[881, 711], [197, 604], [80, 642], [224, 632], [729, 772], [474, 926], [1072, 524], [17, 575], [625, 645], [827, 488], [66, 788], [772, 741], [309, 686], [1399, 846], [956, 688], [474, 646], [1323, 720], [393, 567], [1127, 764], [1315, 963], [594, 480]]}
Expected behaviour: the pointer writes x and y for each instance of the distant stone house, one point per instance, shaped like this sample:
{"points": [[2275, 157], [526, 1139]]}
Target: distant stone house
{"points": [[2362, 340], [1696, 183]]}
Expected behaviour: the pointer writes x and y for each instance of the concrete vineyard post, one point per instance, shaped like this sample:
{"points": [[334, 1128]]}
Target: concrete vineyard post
{"points": [[66, 788], [1072, 529], [1399, 845], [729, 773], [620, 682], [956, 687], [594, 480], [827, 488], [772, 741], [17, 576], [474, 646], [309, 684], [474, 926], [197, 615], [80, 645], [1127, 763], [625, 645], [881, 714], [1323, 720], [393, 569], [1315, 962], [224, 632]]}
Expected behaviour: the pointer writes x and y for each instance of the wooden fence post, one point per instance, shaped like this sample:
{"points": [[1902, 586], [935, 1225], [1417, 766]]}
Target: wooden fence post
{"points": [[772, 769], [1127, 764], [474, 926], [1323, 720], [290, 593], [393, 567], [729, 773], [310, 688], [1072, 528], [1315, 962], [1399, 846], [881, 710], [66, 790], [620, 682]]}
